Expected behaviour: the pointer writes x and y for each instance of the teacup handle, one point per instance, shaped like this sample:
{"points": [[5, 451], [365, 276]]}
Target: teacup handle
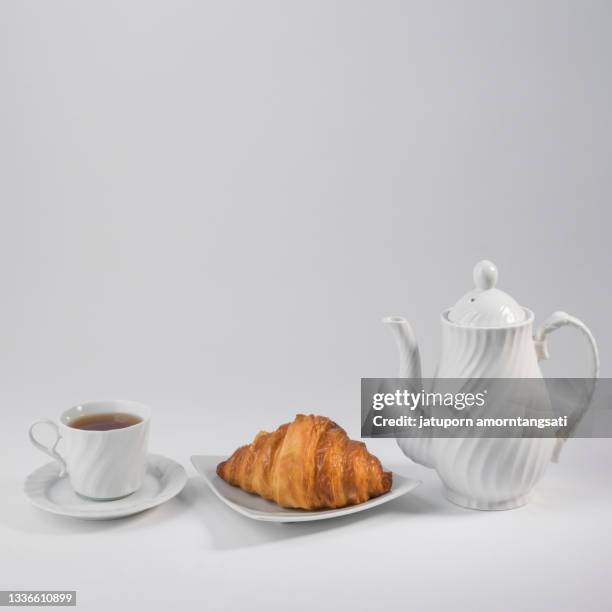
{"points": [[555, 321], [49, 450]]}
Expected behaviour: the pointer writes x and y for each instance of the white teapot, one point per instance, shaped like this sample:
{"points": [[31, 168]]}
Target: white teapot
{"points": [[486, 334]]}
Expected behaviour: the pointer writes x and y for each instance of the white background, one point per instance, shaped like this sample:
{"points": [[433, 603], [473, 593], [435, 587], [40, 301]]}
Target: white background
{"points": [[208, 207]]}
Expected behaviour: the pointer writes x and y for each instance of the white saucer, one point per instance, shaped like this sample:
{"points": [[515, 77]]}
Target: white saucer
{"points": [[163, 480], [260, 509]]}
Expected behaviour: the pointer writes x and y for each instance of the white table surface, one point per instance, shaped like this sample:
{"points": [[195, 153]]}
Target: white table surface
{"points": [[419, 552]]}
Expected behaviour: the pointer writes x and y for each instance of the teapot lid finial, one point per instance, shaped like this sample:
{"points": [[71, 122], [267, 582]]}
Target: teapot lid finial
{"points": [[485, 274], [486, 306]]}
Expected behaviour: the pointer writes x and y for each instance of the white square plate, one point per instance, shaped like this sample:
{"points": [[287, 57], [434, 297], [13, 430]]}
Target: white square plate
{"points": [[260, 509]]}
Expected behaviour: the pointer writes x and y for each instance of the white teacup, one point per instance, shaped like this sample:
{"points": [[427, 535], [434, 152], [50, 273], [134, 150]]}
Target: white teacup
{"points": [[101, 464]]}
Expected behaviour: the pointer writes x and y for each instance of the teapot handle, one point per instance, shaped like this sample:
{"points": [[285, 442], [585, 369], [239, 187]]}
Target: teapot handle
{"points": [[555, 321]]}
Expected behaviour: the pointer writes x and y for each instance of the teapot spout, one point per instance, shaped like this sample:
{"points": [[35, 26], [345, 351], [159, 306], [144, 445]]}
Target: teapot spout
{"points": [[410, 358], [416, 447]]}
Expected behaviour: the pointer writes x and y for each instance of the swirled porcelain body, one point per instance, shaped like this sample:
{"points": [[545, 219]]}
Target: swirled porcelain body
{"points": [[490, 473], [106, 464]]}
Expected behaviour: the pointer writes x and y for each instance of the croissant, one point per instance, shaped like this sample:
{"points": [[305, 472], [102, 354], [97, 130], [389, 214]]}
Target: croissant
{"points": [[310, 463]]}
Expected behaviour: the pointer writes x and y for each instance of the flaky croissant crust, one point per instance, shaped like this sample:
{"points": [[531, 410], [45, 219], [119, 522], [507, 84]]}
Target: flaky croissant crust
{"points": [[310, 463]]}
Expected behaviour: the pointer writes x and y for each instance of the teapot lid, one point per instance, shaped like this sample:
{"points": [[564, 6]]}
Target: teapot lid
{"points": [[486, 306]]}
